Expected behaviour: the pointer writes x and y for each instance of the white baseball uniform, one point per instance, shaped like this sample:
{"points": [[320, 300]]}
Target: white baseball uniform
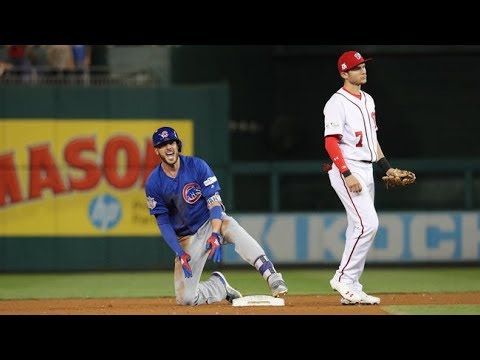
{"points": [[354, 120]]}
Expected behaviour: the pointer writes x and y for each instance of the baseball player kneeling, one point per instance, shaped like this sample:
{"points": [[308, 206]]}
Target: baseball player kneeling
{"points": [[183, 194]]}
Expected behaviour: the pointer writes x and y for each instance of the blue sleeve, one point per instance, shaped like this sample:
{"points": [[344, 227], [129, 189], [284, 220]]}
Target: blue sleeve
{"points": [[155, 202], [208, 181], [170, 237]]}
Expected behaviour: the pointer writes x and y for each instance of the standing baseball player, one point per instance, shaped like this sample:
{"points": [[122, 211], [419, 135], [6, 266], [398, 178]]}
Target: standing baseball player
{"points": [[351, 142], [184, 195]]}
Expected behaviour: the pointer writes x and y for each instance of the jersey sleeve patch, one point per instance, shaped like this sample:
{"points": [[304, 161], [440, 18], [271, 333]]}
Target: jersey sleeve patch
{"points": [[151, 203], [210, 180]]}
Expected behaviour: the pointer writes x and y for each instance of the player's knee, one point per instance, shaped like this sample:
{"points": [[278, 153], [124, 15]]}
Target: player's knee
{"points": [[187, 300], [371, 226]]}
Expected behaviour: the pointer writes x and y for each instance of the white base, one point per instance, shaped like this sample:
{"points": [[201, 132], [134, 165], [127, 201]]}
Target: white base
{"points": [[258, 300]]}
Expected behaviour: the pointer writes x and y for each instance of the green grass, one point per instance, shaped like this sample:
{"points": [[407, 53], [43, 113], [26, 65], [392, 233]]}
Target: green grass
{"points": [[300, 282], [86, 285], [433, 310]]}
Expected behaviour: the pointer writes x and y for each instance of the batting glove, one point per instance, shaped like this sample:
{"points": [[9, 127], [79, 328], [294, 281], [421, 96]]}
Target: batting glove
{"points": [[184, 259], [213, 244]]}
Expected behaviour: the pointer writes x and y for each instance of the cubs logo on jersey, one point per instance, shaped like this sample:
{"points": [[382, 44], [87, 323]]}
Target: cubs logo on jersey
{"points": [[191, 193]]}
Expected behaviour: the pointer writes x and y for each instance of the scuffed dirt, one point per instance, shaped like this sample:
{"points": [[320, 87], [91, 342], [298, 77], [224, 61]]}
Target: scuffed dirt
{"points": [[294, 305]]}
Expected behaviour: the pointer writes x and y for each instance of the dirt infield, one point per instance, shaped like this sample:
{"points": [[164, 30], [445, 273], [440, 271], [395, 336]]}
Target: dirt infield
{"points": [[294, 305]]}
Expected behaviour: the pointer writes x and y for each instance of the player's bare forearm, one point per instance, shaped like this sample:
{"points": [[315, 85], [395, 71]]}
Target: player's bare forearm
{"points": [[216, 225], [379, 151], [382, 161]]}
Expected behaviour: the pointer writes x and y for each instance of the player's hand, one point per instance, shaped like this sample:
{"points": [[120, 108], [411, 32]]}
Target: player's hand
{"points": [[213, 244], [353, 184], [184, 259]]}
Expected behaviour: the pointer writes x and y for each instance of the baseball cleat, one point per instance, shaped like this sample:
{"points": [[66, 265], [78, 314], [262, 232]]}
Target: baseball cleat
{"points": [[277, 285], [366, 300], [346, 290], [231, 292]]}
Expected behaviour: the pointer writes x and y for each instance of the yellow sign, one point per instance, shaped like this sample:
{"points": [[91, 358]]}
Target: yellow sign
{"points": [[79, 177]]}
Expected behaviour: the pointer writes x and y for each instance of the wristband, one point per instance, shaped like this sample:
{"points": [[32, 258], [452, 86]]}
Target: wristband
{"points": [[383, 163], [216, 212], [346, 173]]}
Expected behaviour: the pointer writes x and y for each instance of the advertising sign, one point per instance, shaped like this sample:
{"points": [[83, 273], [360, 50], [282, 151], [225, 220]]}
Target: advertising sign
{"points": [[79, 177]]}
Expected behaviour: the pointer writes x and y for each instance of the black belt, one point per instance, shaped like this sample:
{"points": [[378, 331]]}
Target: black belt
{"points": [[368, 162]]}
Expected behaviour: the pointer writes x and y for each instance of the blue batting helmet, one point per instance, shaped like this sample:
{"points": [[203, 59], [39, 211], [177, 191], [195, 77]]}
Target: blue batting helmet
{"points": [[165, 134]]}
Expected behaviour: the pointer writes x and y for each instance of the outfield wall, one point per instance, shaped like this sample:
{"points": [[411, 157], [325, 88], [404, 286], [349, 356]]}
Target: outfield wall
{"points": [[293, 239], [402, 237]]}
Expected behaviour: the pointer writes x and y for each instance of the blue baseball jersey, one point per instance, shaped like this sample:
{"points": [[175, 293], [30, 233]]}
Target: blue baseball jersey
{"points": [[182, 201]]}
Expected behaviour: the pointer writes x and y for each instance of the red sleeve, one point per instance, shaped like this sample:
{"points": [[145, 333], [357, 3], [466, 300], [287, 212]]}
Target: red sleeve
{"points": [[331, 145]]}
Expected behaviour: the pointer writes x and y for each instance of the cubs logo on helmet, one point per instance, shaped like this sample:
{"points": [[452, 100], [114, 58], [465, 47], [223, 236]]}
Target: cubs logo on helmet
{"points": [[165, 134]]}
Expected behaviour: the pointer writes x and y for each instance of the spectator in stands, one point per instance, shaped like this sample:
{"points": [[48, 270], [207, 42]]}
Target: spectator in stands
{"points": [[82, 56], [16, 55], [37, 55], [4, 66], [60, 61]]}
